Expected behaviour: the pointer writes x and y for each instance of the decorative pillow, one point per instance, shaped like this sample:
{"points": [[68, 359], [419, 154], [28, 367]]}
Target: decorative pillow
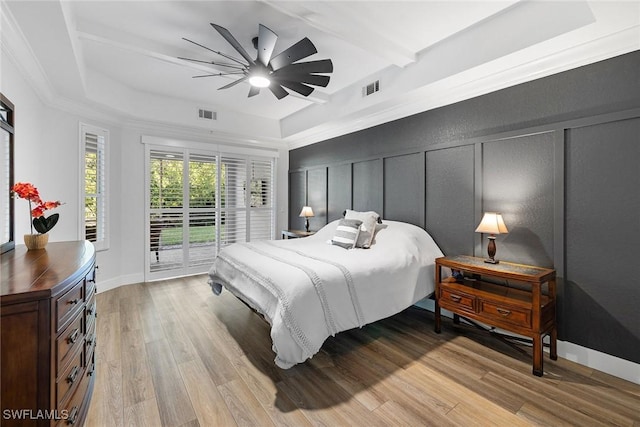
{"points": [[368, 227], [346, 233]]}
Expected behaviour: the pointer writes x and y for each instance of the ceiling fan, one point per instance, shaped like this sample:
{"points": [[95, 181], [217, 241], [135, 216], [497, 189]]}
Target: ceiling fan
{"points": [[275, 72]]}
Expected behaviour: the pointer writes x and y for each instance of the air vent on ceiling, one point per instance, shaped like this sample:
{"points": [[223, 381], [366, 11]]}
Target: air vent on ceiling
{"points": [[371, 88], [207, 114]]}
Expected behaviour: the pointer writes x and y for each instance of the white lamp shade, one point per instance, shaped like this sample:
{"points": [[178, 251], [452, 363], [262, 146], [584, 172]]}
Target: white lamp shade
{"points": [[492, 223], [306, 211]]}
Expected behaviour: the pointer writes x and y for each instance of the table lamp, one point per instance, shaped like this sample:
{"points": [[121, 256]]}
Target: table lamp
{"points": [[307, 213], [492, 223]]}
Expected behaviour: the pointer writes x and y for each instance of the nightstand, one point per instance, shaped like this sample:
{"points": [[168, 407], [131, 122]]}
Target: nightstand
{"points": [[508, 296], [296, 234]]}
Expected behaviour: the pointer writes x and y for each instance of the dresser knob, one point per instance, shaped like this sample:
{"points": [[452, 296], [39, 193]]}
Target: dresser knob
{"points": [[73, 417], [73, 375], [74, 336]]}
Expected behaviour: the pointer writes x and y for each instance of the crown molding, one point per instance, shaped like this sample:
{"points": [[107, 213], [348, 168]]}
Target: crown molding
{"points": [[498, 74]]}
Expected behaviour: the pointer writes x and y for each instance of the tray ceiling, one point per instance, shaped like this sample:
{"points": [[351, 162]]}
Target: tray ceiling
{"points": [[119, 58]]}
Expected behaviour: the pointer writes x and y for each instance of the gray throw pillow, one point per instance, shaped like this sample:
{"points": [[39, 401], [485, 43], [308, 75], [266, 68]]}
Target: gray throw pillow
{"points": [[346, 234]]}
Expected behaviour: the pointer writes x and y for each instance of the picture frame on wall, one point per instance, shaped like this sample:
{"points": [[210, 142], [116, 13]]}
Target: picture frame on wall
{"points": [[7, 130]]}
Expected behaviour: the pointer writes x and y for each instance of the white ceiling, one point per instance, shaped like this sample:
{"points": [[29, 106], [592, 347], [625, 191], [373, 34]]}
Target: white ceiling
{"points": [[119, 58]]}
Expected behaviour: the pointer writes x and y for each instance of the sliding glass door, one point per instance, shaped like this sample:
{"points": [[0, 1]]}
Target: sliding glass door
{"points": [[199, 202]]}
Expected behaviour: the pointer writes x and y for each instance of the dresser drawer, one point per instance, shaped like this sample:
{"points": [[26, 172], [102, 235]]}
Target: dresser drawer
{"points": [[90, 343], [453, 298], [505, 313], [90, 312], [73, 409], [69, 378], [69, 341], [69, 304], [90, 283]]}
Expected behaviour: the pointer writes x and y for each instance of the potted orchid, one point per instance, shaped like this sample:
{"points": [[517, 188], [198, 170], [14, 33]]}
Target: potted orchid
{"points": [[42, 224]]}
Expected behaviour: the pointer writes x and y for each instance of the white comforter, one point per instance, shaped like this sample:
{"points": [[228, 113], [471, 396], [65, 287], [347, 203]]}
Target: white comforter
{"points": [[309, 290]]}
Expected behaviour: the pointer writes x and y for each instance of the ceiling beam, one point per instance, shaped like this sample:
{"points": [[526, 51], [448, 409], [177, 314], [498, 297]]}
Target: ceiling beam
{"points": [[338, 20]]}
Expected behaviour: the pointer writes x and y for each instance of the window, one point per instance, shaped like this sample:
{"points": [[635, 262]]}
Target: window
{"points": [[200, 201], [94, 192], [6, 175]]}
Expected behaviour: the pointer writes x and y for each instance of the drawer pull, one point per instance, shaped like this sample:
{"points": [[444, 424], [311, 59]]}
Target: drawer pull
{"points": [[91, 310], [90, 340], [73, 375], [93, 369], [502, 311], [74, 336], [73, 417], [73, 301], [455, 298]]}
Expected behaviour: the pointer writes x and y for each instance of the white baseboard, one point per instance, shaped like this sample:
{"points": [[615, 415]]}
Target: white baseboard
{"points": [[593, 359], [604, 362], [107, 285]]}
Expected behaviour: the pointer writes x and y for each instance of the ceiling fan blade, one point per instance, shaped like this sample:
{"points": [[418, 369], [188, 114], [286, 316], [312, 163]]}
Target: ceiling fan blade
{"points": [[233, 42], [298, 51], [321, 66], [278, 91], [302, 89], [217, 52], [266, 43], [312, 79], [216, 75], [221, 64], [234, 83]]}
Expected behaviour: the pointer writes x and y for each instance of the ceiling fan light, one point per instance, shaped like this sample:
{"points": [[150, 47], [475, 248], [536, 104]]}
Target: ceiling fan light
{"points": [[259, 81]]}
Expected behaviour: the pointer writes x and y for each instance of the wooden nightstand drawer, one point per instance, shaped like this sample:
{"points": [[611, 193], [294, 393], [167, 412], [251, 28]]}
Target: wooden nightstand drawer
{"points": [[505, 313], [451, 297]]}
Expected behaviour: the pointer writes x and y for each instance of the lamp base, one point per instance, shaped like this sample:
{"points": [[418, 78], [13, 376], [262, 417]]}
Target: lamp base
{"points": [[492, 261]]}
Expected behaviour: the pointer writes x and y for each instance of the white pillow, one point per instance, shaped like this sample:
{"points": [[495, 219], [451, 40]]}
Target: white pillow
{"points": [[368, 227], [346, 233]]}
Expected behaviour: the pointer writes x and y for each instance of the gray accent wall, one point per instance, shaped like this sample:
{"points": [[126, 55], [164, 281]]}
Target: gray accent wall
{"points": [[557, 156]]}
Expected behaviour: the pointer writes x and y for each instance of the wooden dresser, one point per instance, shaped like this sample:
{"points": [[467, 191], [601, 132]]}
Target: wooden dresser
{"points": [[48, 324]]}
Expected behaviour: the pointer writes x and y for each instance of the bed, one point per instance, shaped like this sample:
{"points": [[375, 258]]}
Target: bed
{"points": [[308, 289]]}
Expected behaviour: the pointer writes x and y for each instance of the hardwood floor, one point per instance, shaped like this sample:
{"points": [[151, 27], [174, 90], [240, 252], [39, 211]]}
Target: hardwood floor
{"points": [[171, 353]]}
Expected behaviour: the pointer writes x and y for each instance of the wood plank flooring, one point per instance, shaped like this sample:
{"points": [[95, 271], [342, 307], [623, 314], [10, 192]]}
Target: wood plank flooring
{"points": [[170, 353]]}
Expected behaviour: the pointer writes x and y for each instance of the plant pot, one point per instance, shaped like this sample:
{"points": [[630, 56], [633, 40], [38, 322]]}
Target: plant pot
{"points": [[36, 241]]}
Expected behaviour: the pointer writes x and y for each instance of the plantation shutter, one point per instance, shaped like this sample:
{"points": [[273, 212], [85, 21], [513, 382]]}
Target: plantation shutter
{"points": [[261, 212], [200, 201], [233, 214], [202, 209], [95, 208], [166, 209]]}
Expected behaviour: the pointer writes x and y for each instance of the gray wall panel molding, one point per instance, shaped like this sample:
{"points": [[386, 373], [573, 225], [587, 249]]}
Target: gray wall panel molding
{"points": [[340, 190], [317, 197], [518, 181], [602, 288], [403, 191], [368, 186], [297, 198], [556, 155]]}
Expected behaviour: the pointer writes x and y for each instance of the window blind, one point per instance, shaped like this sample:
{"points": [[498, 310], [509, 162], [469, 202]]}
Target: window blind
{"points": [[95, 203]]}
